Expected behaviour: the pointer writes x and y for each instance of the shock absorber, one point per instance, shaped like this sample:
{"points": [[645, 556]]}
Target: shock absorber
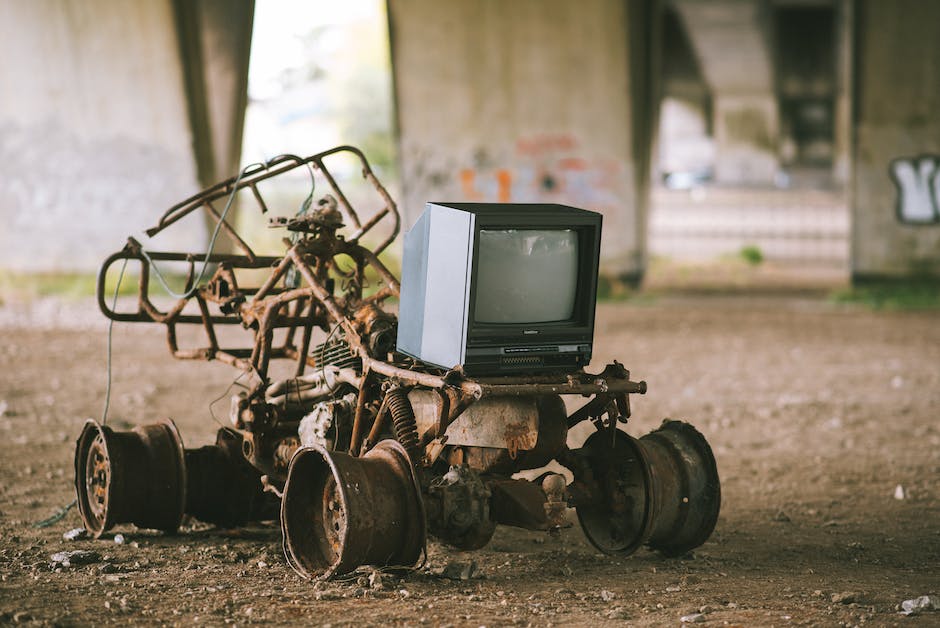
{"points": [[403, 420]]}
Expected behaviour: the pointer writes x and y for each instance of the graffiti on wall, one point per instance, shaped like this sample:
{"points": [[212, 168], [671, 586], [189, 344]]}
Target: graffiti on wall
{"points": [[918, 183], [546, 168], [537, 168]]}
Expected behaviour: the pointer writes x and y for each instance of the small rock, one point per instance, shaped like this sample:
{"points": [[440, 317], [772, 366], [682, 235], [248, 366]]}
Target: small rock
{"points": [[899, 493], [119, 539], [694, 618], [21, 617], [607, 596], [74, 557], [782, 517], [617, 613], [456, 570], [75, 534], [673, 589], [846, 597], [3, 407], [920, 604], [404, 593]]}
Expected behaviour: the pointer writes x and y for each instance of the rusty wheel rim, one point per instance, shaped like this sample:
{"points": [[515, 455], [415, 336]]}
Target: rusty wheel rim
{"points": [[623, 520], [334, 520], [98, 478]]}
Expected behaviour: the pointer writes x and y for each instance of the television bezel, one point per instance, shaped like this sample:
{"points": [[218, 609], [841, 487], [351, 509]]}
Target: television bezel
{"points": [[580, 326]]}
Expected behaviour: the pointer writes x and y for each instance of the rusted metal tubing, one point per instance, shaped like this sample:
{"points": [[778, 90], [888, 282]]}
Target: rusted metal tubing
{"points": [[228, 229], [568, 388], [390, 280], [253, 175], [478, 389], [138, 477], [339, 512]]}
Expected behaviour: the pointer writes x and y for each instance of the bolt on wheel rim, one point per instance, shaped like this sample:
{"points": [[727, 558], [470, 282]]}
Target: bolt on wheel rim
{"points": [[334, 518]]}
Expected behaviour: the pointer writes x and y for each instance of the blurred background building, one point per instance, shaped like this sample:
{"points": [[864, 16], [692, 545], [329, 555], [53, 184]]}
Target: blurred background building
{"points": [[801, 132]]}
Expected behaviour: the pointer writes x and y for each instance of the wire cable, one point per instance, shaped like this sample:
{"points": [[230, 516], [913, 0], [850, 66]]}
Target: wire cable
{"points": [[107, 392], [215, 235]]}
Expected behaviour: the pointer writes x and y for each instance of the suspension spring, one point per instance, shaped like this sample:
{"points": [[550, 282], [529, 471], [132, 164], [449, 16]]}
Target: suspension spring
{"points": [[403, 419]]}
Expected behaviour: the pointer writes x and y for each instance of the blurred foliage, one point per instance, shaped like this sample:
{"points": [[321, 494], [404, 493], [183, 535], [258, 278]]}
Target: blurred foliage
{"points": [[354, 82], [919, 293], [751, 254]]}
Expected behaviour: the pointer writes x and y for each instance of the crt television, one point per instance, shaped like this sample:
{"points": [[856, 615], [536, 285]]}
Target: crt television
{"points": [[498, 288]]}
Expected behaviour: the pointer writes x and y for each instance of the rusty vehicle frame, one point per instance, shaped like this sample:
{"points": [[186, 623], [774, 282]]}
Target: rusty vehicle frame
{"points": [[386, 465]]}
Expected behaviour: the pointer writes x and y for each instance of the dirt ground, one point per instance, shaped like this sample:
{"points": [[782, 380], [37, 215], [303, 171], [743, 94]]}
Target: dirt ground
{"points": [[817, 413]]}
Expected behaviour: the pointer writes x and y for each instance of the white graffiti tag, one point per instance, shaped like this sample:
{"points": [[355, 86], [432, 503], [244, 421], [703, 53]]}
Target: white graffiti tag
{"points": [[918, 183]]}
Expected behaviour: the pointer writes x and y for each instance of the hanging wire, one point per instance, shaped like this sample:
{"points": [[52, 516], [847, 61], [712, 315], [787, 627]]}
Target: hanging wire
{"points": [[235, 382], [107, 392], [215, 235]]}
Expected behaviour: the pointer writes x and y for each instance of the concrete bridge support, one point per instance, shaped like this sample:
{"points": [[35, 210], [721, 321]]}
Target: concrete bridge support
{"points": [[731, 41], [111, 112], [896, 183], [529, 101]]}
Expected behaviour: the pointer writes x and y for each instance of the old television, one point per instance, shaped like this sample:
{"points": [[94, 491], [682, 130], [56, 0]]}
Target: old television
{"points": [[500, 288]]}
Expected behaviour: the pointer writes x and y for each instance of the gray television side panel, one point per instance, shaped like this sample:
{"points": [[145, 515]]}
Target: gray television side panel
{"points": [[413, 287], [450, 239]]}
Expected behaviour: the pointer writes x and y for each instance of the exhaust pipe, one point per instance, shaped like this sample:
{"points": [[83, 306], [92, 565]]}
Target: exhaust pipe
{"points": [[661, 490], [339, 512]]}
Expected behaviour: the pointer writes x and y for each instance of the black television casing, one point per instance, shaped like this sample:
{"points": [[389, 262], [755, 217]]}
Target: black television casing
{"points": [[438, 292]]}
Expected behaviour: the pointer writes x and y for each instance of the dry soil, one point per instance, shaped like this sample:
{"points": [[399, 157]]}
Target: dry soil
{"points": [[823, 419]]}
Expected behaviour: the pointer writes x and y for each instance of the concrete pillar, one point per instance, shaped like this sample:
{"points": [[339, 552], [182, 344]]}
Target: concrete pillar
{"points": [[747, 128], [215, 41], [731, 41], [99, 123], [529, 101], [896, 178], [842, 158]]}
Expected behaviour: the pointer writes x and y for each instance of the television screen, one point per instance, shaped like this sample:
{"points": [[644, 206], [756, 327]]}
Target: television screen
{"points": [[526, 276]]}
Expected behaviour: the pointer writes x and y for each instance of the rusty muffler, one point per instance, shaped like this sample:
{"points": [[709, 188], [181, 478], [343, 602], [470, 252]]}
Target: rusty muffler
{"points": [[339, 512], [137, 476], [661, 490]]}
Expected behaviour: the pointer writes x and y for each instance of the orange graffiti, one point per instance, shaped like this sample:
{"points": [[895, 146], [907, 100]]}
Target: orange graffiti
{"points": [[467, 178], [504, 181]]}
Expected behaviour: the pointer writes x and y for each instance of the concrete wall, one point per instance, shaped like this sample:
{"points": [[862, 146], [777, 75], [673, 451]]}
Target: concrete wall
{"points": [[528, 101], [896, 178], [96, 121]]}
